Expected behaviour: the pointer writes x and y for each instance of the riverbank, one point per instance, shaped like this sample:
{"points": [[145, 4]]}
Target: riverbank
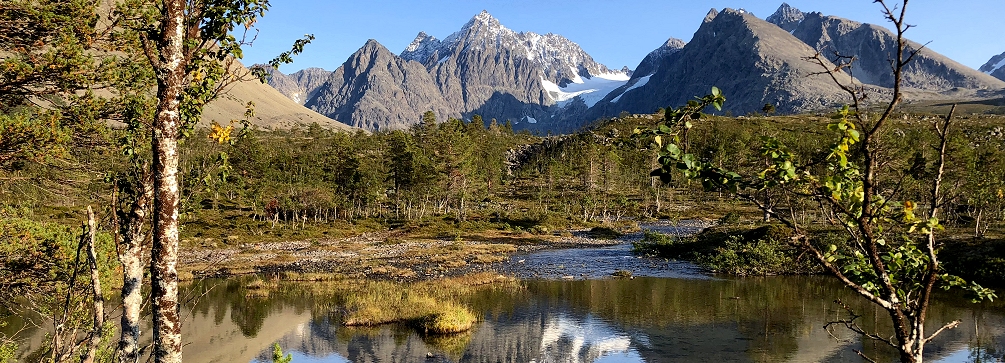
{"points": [[401, 256], [764, 250]]}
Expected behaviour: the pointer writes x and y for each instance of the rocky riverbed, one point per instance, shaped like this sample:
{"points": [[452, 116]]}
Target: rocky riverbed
{"points": [[396, 256]]}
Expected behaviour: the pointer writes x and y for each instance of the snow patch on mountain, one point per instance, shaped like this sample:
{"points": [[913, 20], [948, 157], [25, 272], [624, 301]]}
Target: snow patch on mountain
{"points": [[590, 90], [996, 66], [559, 57], [639, 83]]}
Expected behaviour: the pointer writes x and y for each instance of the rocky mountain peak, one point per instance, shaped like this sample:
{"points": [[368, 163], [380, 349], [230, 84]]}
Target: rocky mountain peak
{"points": [[673, 44], [484, 18], [484, 21], [874, 46], [711, 15], [657, 57], [787, 17], [421, 48], [372, 45]]}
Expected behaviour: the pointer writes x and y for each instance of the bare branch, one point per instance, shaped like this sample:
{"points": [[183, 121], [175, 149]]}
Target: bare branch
{"points": [[951, 325]]}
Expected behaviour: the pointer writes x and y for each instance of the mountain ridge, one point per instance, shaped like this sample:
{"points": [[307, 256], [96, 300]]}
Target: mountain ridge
{"points": [[547, 83], [872, 46]]}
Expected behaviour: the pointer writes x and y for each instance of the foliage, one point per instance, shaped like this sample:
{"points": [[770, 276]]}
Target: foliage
{"points": [[891, 259], [277, 355], [8, 349], [39, 256], [760, 251], [739, 257], [32, 137]]}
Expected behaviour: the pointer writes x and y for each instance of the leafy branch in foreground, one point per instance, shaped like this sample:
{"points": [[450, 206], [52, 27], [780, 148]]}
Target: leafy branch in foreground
{"points": [[890, 256]]}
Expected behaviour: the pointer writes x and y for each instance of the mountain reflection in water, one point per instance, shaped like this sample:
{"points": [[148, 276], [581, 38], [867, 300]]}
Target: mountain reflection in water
{"points": [[776, 319]]}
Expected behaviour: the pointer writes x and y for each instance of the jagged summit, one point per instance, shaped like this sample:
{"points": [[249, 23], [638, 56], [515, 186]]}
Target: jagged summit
{"points": [[787, 17], [422, 48], [483, 18], [712, 13], [377, 90], [563, 60], [673, 43]]}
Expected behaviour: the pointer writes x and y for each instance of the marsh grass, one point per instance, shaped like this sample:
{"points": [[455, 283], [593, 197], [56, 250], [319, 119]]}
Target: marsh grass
{"points": [[260, 288], [432, 307]]}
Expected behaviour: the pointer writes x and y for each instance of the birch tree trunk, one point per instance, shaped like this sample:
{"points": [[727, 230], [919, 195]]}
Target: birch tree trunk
{"points": [[131, 258], [164, 253], [99, 299]]}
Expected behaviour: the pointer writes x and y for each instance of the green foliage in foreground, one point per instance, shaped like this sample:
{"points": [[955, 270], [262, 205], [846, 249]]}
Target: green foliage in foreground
{"points": [[8, 349], [40, 256], [760, 251], [277, 355]]}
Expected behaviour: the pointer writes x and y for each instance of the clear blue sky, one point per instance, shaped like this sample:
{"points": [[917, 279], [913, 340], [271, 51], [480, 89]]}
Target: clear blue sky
{"points": [[615, 33]]}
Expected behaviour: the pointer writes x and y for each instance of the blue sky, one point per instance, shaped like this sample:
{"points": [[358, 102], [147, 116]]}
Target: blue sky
{"points": [[615, 33]]}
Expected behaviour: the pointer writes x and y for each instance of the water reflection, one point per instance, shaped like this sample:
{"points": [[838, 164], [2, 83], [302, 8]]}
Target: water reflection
{"points": [[777, 319]]}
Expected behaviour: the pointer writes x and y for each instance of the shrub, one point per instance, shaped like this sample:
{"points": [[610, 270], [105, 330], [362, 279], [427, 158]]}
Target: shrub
{"points": [[764, 256], [605, 233]]}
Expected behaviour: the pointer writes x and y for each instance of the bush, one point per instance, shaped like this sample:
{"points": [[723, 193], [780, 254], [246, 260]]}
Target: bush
{"points": [[605, 233], [730, 218], [764, 256], [761, 251], [658, 245]]}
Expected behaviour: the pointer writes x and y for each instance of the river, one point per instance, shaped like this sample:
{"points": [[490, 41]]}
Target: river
{"points": [[567, 309]]}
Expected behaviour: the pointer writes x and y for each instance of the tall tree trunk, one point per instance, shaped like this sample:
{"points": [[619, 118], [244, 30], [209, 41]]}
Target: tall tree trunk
{"points": [[131, 259], [98, 298], [164, 254]]}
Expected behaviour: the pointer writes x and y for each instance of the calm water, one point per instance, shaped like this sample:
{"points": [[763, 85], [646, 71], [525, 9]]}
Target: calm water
{"points": [[674, 314], [649, 319], [777, 319]]}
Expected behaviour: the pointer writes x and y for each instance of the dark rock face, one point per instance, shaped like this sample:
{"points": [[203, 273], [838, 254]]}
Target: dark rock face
{"points": [[873, 46], [377, 90], [995, 67], [310, 79], [751, 60]]}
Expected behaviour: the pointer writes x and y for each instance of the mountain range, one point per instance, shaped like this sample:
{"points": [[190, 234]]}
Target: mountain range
{"points": [[547, 83]]}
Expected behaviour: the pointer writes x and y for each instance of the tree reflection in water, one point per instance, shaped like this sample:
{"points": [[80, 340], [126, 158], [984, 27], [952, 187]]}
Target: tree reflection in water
{"points": [[773, 319]]}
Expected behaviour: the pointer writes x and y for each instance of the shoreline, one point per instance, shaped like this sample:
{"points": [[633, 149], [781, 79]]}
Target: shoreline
{"points": [[395, 256]]}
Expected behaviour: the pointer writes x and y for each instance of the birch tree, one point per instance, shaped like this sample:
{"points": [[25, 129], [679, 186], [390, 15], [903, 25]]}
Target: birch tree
{"points": [[890, 256]]}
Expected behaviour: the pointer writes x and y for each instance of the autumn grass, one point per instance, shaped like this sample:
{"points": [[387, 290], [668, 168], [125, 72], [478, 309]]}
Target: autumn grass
{"points": [[432, 307]]}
